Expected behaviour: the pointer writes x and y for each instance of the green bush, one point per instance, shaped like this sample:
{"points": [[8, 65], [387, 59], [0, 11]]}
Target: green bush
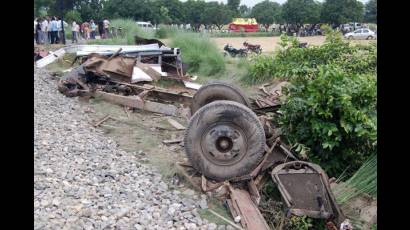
{"points": [[330, 110], [291, 61], [334, 115], [199, 53]]}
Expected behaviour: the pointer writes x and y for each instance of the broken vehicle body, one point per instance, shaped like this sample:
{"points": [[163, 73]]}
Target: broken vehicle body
{"points": [[232, 151], [231, 145]]}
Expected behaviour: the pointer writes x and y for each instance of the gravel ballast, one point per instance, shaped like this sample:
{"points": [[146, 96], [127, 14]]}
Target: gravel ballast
{"points": [[83, 180]]}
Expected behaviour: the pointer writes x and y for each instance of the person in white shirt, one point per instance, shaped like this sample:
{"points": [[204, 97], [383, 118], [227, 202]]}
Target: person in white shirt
{"points": [[75, 28], [44, 29], [106, 27], [35, 33]]}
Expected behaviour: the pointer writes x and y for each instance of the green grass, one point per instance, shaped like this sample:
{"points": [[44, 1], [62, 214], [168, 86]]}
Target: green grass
{"points": [[200, 53], [364, 181], [217, 207]]}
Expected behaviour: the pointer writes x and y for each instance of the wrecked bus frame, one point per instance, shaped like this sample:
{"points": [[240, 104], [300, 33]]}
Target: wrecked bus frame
{"points": [[231, 145]]}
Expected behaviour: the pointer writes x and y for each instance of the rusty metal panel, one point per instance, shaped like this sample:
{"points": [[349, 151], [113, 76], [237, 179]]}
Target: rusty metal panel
{"points": [[241, 204], [118, 68], [306, 191]]}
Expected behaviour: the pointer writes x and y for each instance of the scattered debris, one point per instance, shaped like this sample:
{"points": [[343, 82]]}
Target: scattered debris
{"points": [[51, 57], [226, 220], [175, 123], [175, 141], [105, 118]]}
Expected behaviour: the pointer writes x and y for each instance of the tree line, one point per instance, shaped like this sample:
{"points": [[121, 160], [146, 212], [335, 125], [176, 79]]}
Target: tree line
{"points": [[197, 12]]}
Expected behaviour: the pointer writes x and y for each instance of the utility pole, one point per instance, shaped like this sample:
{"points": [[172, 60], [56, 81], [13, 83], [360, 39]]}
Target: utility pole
{"points": [[62, 19]]}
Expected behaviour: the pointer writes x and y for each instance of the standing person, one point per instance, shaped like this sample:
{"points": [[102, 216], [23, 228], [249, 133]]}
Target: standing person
{"points": [[38, 31], [35, 31], [60, 30], [106, 27], [82, 31], [93, 29], [53, 30], [48, 30], [44, 25], [75, 28], [101, 29], [86, 30]]}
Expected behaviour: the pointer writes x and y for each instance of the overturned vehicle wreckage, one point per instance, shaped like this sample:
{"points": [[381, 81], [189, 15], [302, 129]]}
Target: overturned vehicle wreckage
{"points": [[232, 147], [232, 151]]}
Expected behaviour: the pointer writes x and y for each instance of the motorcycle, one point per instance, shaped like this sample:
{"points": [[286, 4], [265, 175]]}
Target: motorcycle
{"points": [[234, 52], [254, 48]]}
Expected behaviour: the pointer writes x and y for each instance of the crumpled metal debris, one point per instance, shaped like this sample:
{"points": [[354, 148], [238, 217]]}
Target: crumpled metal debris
{"points": [[118, 68]]}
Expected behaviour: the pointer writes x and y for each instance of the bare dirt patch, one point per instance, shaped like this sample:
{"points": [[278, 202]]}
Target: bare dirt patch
{"points": [[269, 44]]}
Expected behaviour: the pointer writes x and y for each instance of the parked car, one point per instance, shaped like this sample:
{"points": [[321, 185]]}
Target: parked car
{"points": [[361, 34], [145, 25]]}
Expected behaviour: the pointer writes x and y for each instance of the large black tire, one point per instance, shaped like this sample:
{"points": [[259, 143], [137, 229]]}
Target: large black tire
{"points": [[224, 140], [218, 90]]}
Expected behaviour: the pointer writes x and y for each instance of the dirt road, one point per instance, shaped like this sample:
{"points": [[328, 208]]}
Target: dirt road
{"points": [[269, 44]]}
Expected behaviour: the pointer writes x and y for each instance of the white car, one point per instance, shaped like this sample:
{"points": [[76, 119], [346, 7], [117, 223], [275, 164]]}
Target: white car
{"points": [[145, 25], [361, 34]]}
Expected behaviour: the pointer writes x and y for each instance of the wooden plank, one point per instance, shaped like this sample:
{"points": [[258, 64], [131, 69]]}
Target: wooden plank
{"points": [[136, 102], [175, 124], [251, 217]]}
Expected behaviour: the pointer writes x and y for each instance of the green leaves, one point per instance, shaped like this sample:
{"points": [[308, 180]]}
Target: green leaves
{"points": [[331, 102]]}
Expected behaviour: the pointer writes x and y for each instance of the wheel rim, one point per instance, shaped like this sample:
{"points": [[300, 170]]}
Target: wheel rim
{"points": [[224, 143]]}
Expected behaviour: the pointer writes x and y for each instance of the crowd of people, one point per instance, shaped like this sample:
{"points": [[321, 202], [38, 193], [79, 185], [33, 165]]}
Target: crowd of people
{"points": [[88, 30], [48, 30]]}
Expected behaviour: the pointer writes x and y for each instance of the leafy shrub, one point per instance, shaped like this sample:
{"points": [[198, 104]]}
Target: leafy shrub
{"points": [[201, 54], [291, 61], [300, 223], [334, 115], [330, 110], [261, 69]]}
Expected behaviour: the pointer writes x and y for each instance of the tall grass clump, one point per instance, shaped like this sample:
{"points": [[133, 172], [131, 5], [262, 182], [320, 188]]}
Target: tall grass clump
{"points": [[126, 37], [199, 53], [165, 31], [364, 181]]}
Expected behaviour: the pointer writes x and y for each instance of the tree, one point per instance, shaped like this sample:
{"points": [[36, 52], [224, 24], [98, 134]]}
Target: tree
{"points": [[342, 11], [233, 5], [244, 11], [216, 14], [89, 9], [267, 12], [175, 8], [141, 10], [73, 15], [299, 12], [370, 14], [193, 12], [42, 5], [164, 15]]}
